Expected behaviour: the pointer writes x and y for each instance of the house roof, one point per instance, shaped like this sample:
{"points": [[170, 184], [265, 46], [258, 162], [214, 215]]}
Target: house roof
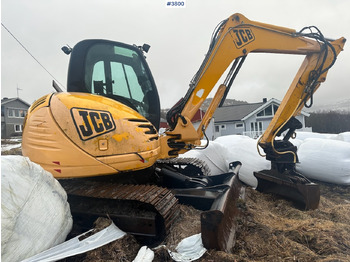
{"points": [[243, 111], [264, 105], [198, 116], [6, 100], [235, 112]]}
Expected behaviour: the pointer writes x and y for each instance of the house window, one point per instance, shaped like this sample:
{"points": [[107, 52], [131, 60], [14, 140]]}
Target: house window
{"points": [[11, 113], [218, 128], [239, 125], [256, 126], [18, 113], [256, 129], [18, 128], [268, 111], [22, 113]]}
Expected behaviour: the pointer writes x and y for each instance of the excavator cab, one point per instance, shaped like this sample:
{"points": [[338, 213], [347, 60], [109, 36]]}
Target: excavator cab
{"points": [[117, 71], [107, 122]]}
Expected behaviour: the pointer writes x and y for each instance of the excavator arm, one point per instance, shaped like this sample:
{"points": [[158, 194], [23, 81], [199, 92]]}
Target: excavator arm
{"points": [[232, 41]]}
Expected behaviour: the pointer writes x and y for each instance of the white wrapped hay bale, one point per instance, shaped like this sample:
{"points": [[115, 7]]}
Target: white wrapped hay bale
{"points": [[326, 160], [216, 156], [324, 157], [343, 137], [302, 135], [244, 149], [296, 142], [35, 214]]}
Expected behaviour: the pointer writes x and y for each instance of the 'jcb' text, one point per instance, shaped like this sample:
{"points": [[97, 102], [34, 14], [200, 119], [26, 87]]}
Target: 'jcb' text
{"points": [[242, 36], [91, 123]]}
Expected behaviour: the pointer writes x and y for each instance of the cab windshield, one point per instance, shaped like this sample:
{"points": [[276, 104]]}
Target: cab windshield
{"points": [[119, 73]]}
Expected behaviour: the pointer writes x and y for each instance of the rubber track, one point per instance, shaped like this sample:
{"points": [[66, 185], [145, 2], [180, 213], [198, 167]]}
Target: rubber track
{"points": [[163, 201], [196, 163]]}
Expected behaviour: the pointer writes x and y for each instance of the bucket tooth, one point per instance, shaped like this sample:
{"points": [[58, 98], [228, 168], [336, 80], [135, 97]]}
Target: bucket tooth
{"points": [[290, 185]]}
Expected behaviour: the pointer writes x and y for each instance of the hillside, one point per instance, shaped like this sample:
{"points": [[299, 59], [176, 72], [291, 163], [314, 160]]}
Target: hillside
{"points": [[228, 102], [339, 106], [206, 103]]}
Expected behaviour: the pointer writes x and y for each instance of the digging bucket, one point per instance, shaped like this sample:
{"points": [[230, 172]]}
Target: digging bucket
{"points": [[291, 185], [219, 224]]}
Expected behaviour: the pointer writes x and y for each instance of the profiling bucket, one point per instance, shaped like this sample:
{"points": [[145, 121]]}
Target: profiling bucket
{"points": [[219, 224], [290, 185]]}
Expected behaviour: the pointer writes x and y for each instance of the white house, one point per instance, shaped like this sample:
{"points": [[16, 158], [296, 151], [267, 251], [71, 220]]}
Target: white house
{"points": [[249, 119]]}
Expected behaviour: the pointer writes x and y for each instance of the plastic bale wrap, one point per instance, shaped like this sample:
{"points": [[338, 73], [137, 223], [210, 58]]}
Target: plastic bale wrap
{"points": [[326, 160], [216, 156], [35, 214], [296, 142], [343, 137], [244, 149], [302, 135]]}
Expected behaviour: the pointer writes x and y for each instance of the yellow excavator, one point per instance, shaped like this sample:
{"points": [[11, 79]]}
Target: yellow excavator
{"points": [[101, 138]]}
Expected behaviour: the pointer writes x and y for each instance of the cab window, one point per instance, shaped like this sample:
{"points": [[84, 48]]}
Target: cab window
{"points": [[119, 73]]}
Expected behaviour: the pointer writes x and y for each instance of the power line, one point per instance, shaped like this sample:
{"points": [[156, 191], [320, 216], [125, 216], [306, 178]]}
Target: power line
{"points": [[29, 53]]}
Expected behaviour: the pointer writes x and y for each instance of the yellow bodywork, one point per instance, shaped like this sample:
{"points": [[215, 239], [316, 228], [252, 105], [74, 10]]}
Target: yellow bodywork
{"points": [[53, 136]]}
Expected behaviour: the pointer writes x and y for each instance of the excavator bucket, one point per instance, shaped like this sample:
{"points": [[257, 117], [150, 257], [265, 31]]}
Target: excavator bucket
{"points": [[220, 204], [219, 224], [290, 185]]}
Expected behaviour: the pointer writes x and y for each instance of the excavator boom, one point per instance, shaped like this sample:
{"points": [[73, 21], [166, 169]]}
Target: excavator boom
{"points": [[233, 40]]}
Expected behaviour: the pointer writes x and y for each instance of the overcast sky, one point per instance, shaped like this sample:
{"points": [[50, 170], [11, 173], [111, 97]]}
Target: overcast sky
{"points": [[179, 39]]}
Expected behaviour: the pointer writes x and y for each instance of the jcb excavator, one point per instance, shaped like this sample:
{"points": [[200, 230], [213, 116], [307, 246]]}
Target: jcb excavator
{"points": [[100, 139]]}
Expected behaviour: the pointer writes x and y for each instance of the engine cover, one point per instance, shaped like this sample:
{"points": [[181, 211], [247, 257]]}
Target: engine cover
{"points": [[80, 134]]}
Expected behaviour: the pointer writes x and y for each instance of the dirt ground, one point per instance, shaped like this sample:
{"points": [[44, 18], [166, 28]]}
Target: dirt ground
{"points": [[271, 229]]}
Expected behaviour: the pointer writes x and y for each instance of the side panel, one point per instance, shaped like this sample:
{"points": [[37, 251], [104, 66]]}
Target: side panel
{"points": [[45, 144], [101, 126], [80, 135]]}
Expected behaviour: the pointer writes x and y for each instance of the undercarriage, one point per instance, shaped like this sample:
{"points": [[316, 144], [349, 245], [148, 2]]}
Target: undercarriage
{"points": [[148, 210]]}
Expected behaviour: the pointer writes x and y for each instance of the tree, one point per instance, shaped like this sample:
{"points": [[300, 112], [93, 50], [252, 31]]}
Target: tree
{"points": [[333, 122]]}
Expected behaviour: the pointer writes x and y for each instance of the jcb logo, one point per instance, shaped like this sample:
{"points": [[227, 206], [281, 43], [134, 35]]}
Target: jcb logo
{"points": [[92, 123], [242, 36]]}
